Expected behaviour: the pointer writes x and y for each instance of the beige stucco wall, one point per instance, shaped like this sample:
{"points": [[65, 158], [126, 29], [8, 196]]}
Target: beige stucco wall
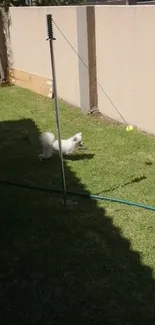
{"points": [[30, 50], [125, 49], [125, 57]]}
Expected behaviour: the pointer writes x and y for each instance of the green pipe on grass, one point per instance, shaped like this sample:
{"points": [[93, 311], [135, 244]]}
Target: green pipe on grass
{"points": [[83, 195]]}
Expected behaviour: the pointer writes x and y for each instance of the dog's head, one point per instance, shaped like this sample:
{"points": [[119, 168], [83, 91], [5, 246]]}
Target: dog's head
{"points": [[78, 139]]}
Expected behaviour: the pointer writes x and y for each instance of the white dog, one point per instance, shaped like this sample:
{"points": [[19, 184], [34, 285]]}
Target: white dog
{"points": [[51, 146]]}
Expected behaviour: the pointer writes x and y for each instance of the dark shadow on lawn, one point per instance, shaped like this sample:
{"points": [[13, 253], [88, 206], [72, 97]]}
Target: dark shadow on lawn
{"points": [[62, 265], [116, 187], [80, 156]]}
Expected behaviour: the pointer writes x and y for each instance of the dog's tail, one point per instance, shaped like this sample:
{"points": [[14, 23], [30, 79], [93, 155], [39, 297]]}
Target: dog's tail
{"points": [[47, 138]]}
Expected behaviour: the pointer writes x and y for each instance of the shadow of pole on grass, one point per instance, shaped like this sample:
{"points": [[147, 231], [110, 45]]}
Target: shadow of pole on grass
{"points": [[62, 265]]}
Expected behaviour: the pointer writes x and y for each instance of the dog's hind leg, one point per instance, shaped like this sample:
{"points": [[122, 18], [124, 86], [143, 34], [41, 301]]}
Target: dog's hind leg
{"points": [[47, 152]]}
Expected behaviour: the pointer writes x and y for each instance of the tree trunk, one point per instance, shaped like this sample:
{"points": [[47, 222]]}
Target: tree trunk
{"points": [[3, 51]]}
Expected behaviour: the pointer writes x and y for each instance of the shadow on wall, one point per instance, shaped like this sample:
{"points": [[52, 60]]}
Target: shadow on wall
{"points": [[62, 265], [3, 51]]}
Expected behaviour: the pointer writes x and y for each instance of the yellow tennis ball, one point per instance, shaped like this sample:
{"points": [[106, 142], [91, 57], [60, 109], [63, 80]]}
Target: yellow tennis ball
{"points": [[129, 128]]}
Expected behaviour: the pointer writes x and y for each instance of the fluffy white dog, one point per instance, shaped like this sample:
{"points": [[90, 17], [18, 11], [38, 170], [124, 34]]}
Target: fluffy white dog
{"points": [[51, 146]]}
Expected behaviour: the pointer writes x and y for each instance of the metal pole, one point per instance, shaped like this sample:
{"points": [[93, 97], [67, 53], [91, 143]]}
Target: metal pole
{"points": [[51, 38]]}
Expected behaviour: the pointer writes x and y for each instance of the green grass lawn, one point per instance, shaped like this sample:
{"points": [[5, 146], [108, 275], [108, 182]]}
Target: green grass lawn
{"points": [[91, 262]]}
